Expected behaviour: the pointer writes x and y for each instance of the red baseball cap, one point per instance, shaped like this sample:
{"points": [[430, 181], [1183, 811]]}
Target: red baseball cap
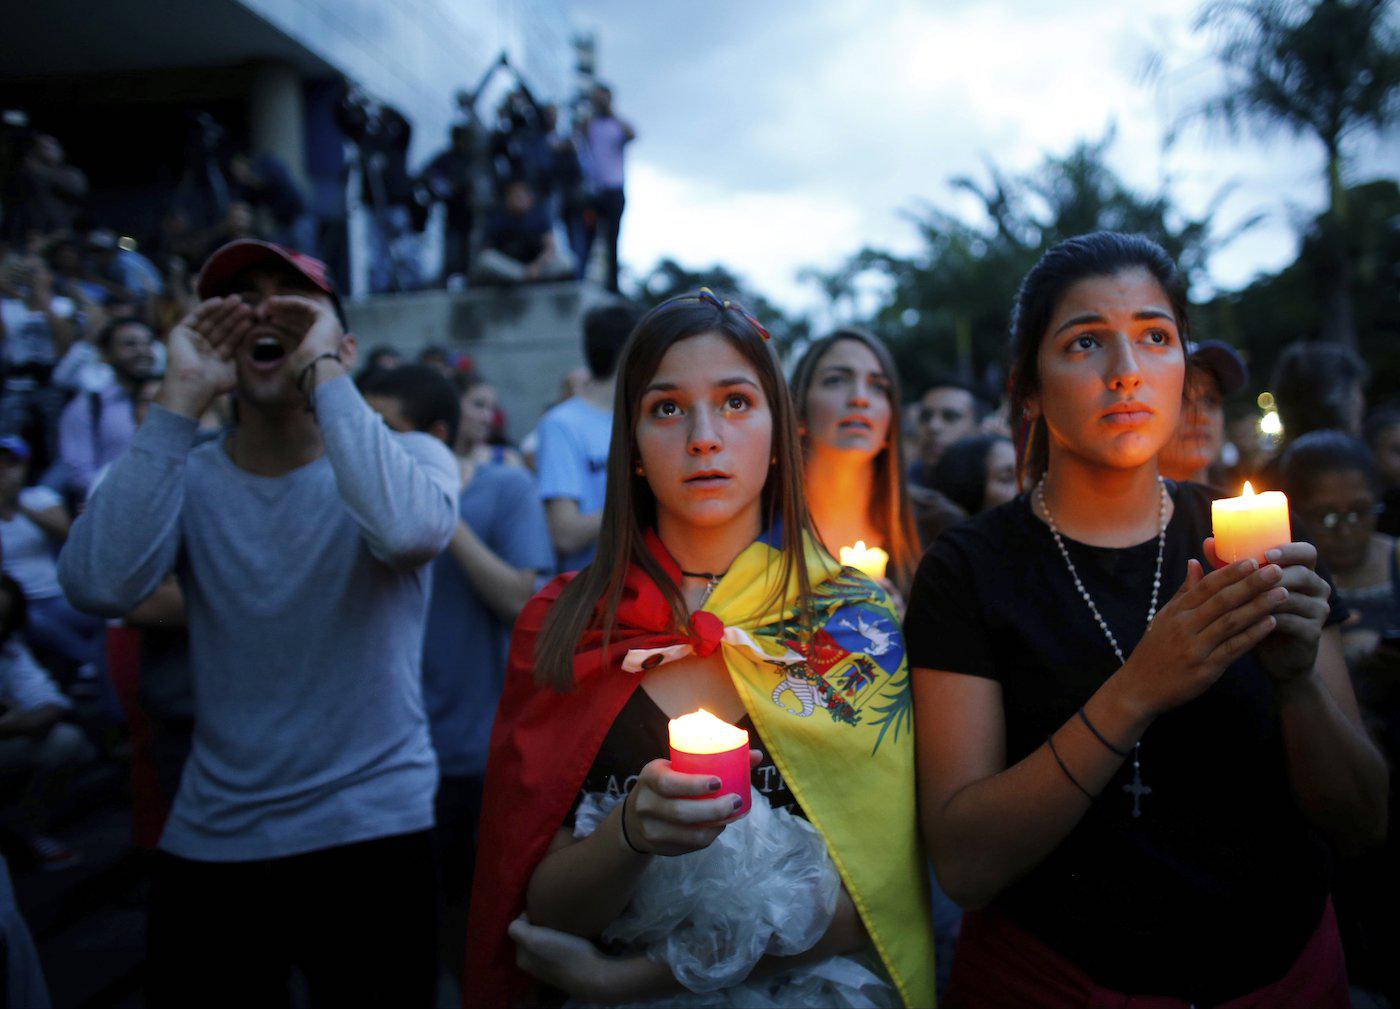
{"points": [[231, 260]]}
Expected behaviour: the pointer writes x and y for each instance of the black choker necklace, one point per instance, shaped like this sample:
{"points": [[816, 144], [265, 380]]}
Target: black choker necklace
{"points": [[709, 576], [711, 579]]}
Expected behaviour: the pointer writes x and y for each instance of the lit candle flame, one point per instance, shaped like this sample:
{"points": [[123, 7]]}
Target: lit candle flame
{"points": [[702, 732], [1251, 525], [872, 560]]}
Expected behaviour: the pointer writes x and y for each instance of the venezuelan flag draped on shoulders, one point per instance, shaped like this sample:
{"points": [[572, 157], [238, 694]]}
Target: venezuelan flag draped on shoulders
{"points": [[835, 711]]}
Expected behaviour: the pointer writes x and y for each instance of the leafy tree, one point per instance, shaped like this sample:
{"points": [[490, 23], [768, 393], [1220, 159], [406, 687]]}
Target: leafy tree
{"points": [[1277, 309], [946, 308], [1328, 69]]}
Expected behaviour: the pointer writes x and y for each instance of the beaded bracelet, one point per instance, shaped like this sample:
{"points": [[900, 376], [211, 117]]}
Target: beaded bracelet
{"points": [[1050, 742], [1099, 735]]}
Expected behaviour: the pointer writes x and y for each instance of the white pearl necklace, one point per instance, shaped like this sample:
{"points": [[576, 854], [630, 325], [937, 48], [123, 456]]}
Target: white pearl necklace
{"points": [[1137, 789]]}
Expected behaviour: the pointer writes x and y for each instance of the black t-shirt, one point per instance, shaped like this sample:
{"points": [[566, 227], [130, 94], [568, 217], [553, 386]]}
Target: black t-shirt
{"points": [[520, 238], [639, 735], [1214, 890]]}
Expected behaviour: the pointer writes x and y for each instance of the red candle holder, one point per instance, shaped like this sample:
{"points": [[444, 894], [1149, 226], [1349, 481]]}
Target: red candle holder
{"points": [[704, 744]]}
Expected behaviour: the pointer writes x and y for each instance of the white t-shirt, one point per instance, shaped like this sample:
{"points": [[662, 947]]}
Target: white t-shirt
{"points": [[28, 338], [24, 685], [29, 553]]}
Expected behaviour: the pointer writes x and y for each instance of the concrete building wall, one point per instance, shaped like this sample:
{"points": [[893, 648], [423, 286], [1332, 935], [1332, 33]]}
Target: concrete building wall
{"points": [[276, 115], [416, 55]]}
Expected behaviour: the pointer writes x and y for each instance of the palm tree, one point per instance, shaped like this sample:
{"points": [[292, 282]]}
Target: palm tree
{"points": [[944, 308], [1328, 69]]}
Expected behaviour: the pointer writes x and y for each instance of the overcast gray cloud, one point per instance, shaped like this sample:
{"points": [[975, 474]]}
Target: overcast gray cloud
{"points": [[775, 136]]}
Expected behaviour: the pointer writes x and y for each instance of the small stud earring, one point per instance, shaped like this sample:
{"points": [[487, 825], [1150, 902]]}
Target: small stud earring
{"points": [[640, 471]]}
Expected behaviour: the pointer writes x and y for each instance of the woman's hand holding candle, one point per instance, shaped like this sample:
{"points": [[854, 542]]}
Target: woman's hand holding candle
{"points": [[672, 813], [1248, 526], [1211, 621], [1290, 652], [704, 744], [1256, 526]]}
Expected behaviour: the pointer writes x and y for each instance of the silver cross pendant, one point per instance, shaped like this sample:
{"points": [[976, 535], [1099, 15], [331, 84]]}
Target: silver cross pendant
{"points": [[1137, 789]]}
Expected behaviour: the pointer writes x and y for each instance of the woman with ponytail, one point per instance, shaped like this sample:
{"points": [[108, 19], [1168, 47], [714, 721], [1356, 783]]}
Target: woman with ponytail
{"points": [[1129, 753]]}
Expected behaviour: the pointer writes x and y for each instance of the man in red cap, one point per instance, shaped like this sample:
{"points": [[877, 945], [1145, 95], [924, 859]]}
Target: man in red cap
{"points": [[299, 837]]}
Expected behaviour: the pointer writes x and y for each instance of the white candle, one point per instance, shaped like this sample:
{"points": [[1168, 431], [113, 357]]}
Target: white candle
{"points": [[1250, 525], [871, 560]]}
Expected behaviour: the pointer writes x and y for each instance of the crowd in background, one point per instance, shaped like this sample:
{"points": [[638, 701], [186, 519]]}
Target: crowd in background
{"points": [[86, 319], [528, 511], [525, 198], [83, 306], [534, 193]]}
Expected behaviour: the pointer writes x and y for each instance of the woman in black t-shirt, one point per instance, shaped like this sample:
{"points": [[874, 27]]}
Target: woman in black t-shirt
{"points": [[1126, 761]]}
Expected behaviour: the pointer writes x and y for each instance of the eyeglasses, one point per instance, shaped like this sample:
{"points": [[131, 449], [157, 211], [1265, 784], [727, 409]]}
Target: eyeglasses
{"points": [[706, 295], [1334, 520]]}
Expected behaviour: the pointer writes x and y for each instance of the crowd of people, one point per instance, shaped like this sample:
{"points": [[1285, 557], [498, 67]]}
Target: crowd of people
{"points": [[529, 197], [525, 199], [395, 693]]}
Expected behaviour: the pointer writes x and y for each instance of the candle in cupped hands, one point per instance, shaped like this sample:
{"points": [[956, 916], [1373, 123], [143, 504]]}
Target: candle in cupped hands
{"points": [[1250, 525], [871, 560], [704, 744]]}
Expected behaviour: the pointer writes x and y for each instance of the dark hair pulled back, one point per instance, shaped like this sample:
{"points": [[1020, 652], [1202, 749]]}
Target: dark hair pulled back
{"points": [[1098, 254]]}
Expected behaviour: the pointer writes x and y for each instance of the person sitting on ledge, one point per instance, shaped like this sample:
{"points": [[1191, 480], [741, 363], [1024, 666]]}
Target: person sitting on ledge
{"points": [[520, 243]]}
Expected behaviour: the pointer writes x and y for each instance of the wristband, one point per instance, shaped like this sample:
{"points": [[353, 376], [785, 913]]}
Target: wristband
{"points": [[1099, 735], [623, 819], [303, 386], [1050, 742]]}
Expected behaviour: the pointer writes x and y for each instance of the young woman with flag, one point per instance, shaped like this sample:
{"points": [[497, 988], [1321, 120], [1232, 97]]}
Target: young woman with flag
{"points": [[710, 591]]}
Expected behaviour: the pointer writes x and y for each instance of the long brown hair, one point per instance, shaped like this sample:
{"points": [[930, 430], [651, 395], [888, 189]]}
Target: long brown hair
{"points": [[590, 601], [890, 510]]}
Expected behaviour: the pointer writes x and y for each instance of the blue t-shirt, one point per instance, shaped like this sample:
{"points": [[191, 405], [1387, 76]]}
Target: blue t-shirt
{"points": [[573, 462], [465, 645]]}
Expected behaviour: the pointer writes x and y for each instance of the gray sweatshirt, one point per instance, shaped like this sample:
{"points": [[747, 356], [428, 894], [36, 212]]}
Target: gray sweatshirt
{"points": [[306, 596]]}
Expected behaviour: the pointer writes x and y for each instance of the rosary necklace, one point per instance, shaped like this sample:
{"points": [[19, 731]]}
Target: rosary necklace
{"points": [[1137, 789]]}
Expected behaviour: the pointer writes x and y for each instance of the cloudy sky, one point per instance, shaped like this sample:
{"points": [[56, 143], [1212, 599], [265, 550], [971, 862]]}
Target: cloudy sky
{"points": [[780, 135]]}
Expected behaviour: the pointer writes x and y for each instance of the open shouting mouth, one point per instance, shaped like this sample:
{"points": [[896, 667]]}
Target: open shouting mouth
{"points": [[266, 352]]}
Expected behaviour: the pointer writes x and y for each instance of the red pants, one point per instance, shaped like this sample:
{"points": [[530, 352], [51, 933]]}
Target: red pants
{"points": [[999, 964]]}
